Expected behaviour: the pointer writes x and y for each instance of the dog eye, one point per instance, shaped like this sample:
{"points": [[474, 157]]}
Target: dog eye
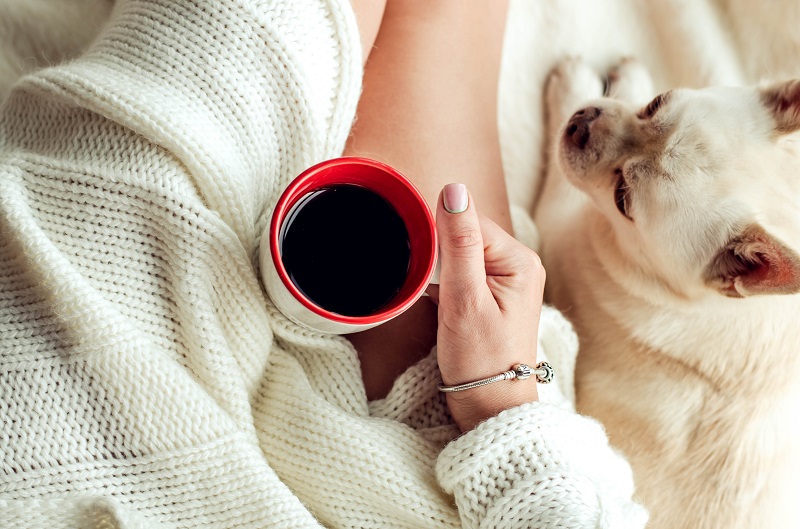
{"points": [[652, 107], [622, 194]]}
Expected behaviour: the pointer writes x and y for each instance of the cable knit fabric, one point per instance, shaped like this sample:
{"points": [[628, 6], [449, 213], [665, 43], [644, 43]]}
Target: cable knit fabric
{"points": [[146, 381]]}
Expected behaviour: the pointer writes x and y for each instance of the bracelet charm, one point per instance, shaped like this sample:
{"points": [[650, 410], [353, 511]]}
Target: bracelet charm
{"points": [[543, 371]]}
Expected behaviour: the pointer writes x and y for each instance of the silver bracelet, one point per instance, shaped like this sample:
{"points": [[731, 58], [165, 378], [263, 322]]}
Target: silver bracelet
{"points": [[543, 371]]}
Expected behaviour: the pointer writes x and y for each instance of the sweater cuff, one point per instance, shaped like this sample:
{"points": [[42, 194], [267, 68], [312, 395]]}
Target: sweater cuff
{"points": [[542, 466]]}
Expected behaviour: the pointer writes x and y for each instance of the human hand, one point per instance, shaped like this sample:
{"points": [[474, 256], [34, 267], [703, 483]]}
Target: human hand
{"points": [[490, 299]]}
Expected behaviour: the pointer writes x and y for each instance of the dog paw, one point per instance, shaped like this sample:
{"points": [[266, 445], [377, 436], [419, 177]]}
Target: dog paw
{"points": [[630, 81], [569, 86]]}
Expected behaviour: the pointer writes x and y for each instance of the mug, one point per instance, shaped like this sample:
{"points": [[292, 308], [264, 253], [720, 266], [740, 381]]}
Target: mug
{"points": [[407, 202]]}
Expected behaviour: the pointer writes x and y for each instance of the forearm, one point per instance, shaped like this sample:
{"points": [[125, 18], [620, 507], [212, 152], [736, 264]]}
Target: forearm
{"points": [[429, 103]]}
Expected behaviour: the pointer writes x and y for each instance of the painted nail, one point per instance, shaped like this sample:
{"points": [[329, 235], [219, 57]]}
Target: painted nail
{"points": [[455, 197]]}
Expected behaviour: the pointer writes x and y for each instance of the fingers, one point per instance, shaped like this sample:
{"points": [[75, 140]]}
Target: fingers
{"points": [[504, 256], [501, 251], [473, 247], [460, 241]]}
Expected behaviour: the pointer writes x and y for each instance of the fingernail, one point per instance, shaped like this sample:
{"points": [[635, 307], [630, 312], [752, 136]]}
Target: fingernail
{"points": [[455, 197]]}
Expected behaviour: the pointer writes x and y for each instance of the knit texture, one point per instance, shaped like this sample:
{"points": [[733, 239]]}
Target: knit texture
{"points": [[146, 380]]}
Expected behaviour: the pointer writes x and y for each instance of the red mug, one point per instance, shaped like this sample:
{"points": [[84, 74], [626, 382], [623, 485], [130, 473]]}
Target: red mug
{"points": [[404, 198]]}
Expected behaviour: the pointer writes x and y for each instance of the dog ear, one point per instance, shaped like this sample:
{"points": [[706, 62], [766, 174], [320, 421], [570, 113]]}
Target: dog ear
{"points": [[754, 263], [783, 101]]}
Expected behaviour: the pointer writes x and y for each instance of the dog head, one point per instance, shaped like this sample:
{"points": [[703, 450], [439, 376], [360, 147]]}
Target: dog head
{"points": [[700, 188]]}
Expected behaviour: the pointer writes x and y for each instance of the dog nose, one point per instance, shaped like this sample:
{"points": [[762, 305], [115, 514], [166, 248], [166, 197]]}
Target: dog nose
{"points": [[578, 127]]}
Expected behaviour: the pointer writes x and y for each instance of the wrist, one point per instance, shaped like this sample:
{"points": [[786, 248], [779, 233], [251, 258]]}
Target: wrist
{"points": [[471, 407]]}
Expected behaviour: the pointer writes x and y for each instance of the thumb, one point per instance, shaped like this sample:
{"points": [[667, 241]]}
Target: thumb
{"points": [[460, 241]]}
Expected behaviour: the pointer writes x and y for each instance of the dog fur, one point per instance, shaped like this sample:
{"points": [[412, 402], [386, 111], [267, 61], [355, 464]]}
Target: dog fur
{"points": [[671, 238]]}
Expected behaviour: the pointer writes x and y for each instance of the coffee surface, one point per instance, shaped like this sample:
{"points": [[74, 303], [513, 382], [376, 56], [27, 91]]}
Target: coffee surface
{"points": [[346, 249]]}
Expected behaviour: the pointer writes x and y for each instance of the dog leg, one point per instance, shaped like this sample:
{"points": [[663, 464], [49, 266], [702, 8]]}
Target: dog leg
{"points": [[630, 81], [569, 86]]}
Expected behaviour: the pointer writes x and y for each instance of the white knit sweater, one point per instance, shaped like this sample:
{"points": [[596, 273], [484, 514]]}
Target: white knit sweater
{"points": [[145, 378]]}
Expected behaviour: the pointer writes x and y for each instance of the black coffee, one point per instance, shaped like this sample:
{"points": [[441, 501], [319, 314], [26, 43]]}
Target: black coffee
{"points": [[346, 249]]}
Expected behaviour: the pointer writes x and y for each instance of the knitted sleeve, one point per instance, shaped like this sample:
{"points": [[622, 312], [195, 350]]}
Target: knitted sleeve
{"points": [[245, 93], [134, 183], [539, 466]]}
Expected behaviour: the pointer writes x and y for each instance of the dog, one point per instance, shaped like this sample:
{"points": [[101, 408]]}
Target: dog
{"points": [[670, 229]]}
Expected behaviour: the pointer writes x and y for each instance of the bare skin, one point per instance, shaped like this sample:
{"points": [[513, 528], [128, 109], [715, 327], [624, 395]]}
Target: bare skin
{"points": [[428, 108], [369, 14], [429, 102]]}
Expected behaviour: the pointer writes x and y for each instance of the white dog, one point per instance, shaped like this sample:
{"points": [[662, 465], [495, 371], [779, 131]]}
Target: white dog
{"points": [[673, 244]]}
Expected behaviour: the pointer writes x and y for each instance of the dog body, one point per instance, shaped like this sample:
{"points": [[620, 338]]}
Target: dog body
{"points": [[670, 233]]}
